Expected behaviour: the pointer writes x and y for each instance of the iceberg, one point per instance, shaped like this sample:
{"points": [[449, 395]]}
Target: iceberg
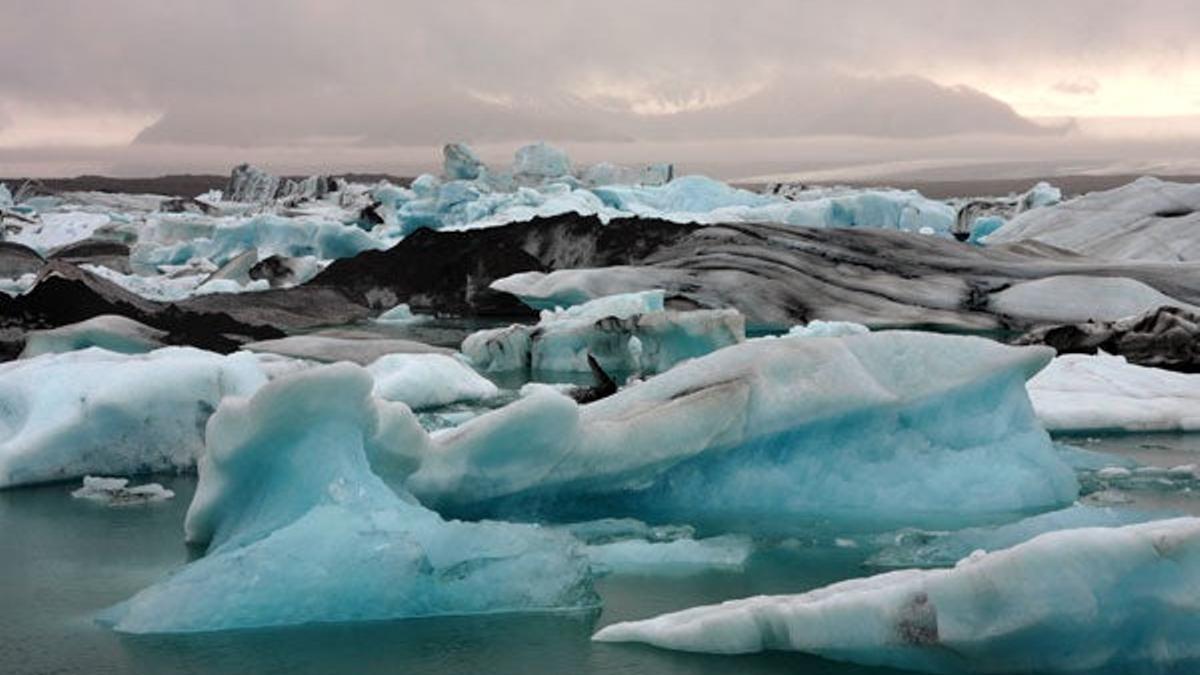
{"points": [[1079, 393], [1070, 298], [99, 412], [540, 162], [827, 329], [629, 333], [116, 491], [400, 314], [460, 162], [57, 229], [864, 430], [1120, 599], [108, 331], [428, 380], [288, 499], [1148, 219]]}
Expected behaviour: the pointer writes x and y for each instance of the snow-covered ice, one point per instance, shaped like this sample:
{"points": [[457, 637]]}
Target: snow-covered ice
{"points": [[1074, 298], [301, 530], [1068, 601], [428, 380], [1097, 393], [99, 412]]}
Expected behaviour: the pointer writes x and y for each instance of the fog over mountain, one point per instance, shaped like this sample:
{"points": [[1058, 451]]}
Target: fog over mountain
{"points": [[304, 83]]}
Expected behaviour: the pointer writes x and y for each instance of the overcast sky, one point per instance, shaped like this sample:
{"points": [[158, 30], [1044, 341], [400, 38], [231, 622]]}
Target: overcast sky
{"points": [[147, 86]]}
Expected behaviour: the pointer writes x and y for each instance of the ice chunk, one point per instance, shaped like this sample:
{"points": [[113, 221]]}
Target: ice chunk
{"points": [[288, 500], [1082, 393], [400, 314], [982, 227], [541, 161], [1074, 600], [108, 331], [1041, 194], [828, 329], [628, 546], [863, 429], [116, 491], [917, 548], [1080, 298], [606, 173], [330, 349], [605, 328], [428, 380], [1148, 219], [95, 411], [460, 162], [57, 229]]}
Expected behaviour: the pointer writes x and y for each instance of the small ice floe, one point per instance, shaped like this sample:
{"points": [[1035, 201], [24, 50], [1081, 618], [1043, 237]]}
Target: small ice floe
{"points": [[116, 491]]}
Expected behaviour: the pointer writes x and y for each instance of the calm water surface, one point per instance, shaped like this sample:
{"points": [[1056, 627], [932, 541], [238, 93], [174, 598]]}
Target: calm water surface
{"points": [[63, 559]]}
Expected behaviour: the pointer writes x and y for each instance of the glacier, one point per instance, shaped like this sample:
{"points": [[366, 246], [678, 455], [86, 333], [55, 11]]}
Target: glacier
{"points": [[1082, 393], [1115, 599], [863, 430], [628, 333], [288, 499], [94, 411]]}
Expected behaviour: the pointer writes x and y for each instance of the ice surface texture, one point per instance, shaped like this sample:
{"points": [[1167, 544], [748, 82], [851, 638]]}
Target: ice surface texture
{"points": [[94, 411], [628, 332], [301, 529], [1082, 393], [867, 429], [1069, 601]]}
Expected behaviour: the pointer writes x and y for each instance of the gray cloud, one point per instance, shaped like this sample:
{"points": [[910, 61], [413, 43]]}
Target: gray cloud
{"points": [[236, 73]]}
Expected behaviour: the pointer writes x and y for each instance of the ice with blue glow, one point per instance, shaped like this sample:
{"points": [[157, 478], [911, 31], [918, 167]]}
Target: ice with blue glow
{"points": [[94, 411], [1093, 599], [175, 239], [540, 183], [300, 528], [629, 332], [866, 430]]}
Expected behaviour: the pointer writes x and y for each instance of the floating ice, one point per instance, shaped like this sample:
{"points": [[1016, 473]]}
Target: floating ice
{"points": [[116, 491], [1041, 194], [1082, 393], [1075, 600], [56, 229], [107, 331], [628, 333], [1069, 298], [1148, 219], [628, 546], [460, 162], [98, 412], [828, 329], [541, 161], [865, 429], [400, 314], [301, 530], [428, 380]]}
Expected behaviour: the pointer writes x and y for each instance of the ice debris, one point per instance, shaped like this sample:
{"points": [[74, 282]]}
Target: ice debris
{"points": [[116, 491]]}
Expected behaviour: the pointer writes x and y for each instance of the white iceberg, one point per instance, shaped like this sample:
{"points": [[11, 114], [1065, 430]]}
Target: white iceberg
{"points": [[866, 429], [301, 530], [1070, 601], [428, 380], [1079, 298], [1148, 219], [1096, 393], [625, 333], [99, 412], [116, 491]]}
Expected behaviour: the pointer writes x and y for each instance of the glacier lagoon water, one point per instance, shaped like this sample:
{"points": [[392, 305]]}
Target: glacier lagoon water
{"points": [[62, 560]]}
